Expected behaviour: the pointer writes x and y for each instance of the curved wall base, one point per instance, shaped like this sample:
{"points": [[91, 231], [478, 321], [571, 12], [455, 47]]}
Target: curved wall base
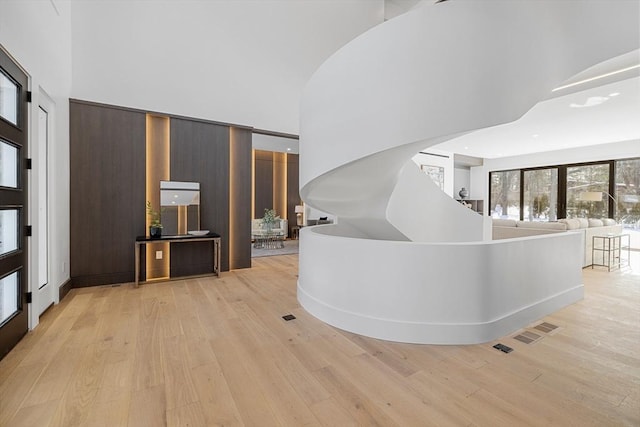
{"points": [[436, 333], [436, 293]]}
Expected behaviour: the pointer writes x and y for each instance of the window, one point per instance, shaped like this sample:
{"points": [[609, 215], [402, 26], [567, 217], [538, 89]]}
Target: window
{"points": [[541, 195], [8, 165], [604, 189], [8, 230], [8, 99], [8, 296], [505, 194], [627, 194], [587, 191]]}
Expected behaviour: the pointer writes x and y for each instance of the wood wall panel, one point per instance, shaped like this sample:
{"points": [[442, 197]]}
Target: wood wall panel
{"points": [[263, 182], [200, 153], [280, 184], [293, 192], [240, 209], [107, 192]]}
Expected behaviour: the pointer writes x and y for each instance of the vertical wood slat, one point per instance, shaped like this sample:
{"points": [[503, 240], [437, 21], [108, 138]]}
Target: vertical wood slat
{"points": [[107, 192], [200, 153], [263, 182], [293, 192], [280, 184], [240, 199]]}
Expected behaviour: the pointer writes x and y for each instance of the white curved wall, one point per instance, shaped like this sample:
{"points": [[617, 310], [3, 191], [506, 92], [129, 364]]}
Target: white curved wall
{"points": [[455, 293], [412, 82]]}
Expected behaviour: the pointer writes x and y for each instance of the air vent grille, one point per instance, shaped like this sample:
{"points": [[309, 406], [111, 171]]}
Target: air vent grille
{"points": [[527, 337], [545, 327]]}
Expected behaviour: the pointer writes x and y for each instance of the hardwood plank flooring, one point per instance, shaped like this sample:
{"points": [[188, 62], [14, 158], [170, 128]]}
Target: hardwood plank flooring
{"points": [[216, 351]]}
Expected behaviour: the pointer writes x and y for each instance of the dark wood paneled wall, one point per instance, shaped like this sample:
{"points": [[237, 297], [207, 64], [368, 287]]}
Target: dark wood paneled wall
{"points": [[108, 198], [240, 198], [293, 192], [263, 182], [200, 153], [107, 174]]}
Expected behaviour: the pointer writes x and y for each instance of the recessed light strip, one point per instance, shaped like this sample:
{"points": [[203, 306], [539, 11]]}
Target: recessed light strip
{"points": [[596, 77]]}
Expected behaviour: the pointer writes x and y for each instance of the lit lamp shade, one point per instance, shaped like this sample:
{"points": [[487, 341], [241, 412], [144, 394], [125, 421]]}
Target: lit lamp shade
{"points": [[299, 209], [591, 196]]}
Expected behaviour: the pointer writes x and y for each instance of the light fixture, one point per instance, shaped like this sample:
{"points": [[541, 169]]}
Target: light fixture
{"points": [[622, 70], [591, 196], [614, 94], [299, 210]]}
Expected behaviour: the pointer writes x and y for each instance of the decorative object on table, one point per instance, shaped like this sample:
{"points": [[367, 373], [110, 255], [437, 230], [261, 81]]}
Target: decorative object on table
{"points": [[463, 193], [269, 219], [299, 210], [198, 232], [155, 227]]}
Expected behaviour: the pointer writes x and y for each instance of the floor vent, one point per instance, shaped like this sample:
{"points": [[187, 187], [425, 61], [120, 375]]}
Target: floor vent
{"points": [[545, 327], [503, 348], [527, 337], [288, 317]]}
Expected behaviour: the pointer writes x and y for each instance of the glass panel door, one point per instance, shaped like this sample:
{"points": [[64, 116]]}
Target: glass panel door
{"points": [[505, 194], [627, 198], [14, 315], [588, 191], [541, 195]]}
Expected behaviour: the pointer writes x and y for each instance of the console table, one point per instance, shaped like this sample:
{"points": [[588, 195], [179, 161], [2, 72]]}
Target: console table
{"points": [[611, 247], [214, 238]]}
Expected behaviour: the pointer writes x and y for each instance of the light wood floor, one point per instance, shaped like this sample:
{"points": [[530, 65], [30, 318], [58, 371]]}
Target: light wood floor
{"points": [[207, 352]]}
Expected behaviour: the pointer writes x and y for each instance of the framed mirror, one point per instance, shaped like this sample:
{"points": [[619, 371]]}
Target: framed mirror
{"points": [[180, 207]]}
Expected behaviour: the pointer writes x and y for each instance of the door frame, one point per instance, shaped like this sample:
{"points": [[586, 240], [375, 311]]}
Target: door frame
{"points": [[40, 101], [19, 134]]}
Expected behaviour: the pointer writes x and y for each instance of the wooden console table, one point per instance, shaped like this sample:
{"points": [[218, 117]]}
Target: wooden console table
{"points": [[211, 237]]}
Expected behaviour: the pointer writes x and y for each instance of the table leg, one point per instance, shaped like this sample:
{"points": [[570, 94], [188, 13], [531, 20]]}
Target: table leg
{"points": [[216, 257], [137, 267]]}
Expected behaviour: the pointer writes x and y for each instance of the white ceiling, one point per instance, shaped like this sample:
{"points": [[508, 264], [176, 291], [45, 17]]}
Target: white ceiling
{"points": [[554, 124]]}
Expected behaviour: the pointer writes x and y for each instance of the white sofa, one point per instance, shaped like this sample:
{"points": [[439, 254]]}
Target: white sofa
{"points": [[282, 225], [509, 228]]}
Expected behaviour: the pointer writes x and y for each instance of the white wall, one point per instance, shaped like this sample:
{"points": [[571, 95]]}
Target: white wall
{"points": [[239, 61], [37, 35]]}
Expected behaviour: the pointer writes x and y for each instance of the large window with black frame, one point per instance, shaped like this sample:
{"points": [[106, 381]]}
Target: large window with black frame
{"points": [[604, 189]]}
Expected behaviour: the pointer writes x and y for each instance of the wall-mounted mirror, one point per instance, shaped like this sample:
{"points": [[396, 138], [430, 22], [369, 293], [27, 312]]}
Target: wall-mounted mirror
{"points": [[180, 207]]}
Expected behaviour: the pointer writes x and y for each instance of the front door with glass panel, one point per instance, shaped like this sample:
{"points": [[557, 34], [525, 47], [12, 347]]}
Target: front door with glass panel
{"points": [[13, 248]]}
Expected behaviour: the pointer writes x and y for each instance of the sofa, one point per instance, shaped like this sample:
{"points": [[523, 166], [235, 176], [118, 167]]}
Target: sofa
{"points": [[281, 225], [589, 227]]}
